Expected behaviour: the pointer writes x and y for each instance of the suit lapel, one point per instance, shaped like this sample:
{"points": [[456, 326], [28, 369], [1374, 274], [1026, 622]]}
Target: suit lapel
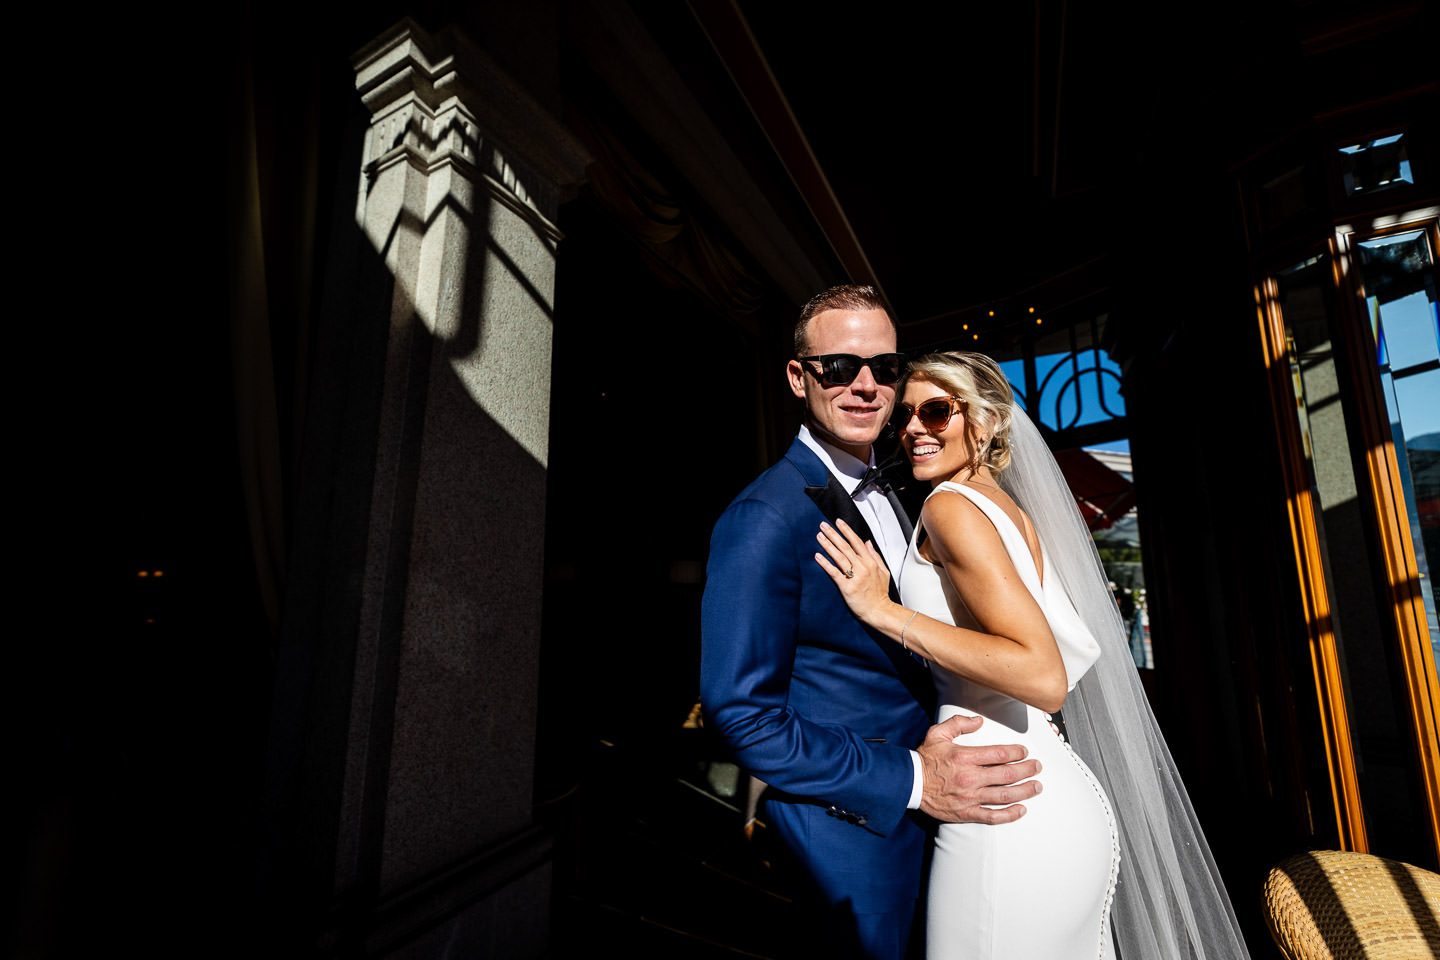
{"points": [[836, 504], [906, 527]]}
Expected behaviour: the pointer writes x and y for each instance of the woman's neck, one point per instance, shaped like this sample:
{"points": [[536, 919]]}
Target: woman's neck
{"points": [[979, 476]]}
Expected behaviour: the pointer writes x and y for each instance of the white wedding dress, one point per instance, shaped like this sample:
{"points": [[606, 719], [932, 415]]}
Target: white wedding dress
{"points": [[1039, 888]]}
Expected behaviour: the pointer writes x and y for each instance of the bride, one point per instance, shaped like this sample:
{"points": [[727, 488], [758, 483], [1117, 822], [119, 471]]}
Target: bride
{"points": [[1002, 591]]}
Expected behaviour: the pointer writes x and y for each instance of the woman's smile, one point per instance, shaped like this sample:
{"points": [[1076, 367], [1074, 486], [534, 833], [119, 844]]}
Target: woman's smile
{"points": [[935, 455]]}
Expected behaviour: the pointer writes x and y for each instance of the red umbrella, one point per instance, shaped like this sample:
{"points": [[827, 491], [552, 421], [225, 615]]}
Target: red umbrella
{"points": [[1103, 495]]}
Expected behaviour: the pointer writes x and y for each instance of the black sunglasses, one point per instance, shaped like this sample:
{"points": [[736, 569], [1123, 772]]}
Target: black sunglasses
{"points": [[838, 369], [934, 413]]}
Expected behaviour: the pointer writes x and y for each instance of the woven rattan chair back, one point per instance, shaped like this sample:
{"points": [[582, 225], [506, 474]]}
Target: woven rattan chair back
{"points": [[1333, 905]]}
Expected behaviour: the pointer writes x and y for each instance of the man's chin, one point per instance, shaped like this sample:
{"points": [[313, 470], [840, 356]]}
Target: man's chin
{"points": [[851, 437]]}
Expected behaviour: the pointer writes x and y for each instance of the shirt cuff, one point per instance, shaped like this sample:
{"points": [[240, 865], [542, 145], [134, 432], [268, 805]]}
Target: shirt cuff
{"points": [[919, 787]]}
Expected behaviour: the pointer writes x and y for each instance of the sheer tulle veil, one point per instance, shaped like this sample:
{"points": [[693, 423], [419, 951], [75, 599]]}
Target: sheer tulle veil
{"points": [[1170, 903]]}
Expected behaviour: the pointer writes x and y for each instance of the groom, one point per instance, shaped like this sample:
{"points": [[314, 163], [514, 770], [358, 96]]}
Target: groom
{"points": [[808, 699]]}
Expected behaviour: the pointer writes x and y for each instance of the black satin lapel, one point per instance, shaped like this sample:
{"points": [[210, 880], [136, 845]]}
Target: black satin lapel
{"points": [[836, 504]]}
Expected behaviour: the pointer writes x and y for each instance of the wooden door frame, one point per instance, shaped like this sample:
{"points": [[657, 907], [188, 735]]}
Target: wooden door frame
{"points": [[1310, 569]]}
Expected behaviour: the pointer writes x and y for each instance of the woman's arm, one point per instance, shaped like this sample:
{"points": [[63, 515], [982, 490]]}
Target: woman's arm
{"points": [[1014, 653]]}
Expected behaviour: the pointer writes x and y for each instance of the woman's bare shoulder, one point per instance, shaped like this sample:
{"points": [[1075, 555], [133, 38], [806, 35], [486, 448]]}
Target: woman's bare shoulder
{"points": [[959, 529]]}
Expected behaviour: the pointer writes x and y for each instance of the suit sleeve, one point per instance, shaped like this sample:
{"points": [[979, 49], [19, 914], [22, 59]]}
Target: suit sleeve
{"points": [[749, 629]]}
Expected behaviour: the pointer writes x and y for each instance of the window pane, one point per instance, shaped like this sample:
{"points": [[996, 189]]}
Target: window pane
{"points": [[1014, 371], [1078, 388], [1353, 613], [1119, 546], [1375, 165], [1399, 277]]}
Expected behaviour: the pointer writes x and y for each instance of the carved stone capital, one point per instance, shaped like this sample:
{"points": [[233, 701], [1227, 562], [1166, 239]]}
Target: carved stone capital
{"points": [[440, 99]]}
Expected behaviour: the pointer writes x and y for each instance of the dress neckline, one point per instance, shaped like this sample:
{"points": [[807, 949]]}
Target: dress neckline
{"points": [[989, 507]]}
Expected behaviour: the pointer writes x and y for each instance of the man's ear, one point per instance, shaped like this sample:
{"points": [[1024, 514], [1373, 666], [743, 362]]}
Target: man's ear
{"points": [[796, 374]]}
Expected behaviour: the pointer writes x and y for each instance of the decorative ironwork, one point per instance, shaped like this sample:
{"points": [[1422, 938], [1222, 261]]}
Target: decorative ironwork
{"points": [[1064, 391]]}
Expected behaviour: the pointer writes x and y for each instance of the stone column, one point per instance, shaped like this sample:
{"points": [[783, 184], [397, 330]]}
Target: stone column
{"points": [[461, 176]]}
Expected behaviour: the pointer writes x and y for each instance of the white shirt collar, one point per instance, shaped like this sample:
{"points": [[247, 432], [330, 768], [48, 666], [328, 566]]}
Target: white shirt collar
{"points": [[845, 467]]}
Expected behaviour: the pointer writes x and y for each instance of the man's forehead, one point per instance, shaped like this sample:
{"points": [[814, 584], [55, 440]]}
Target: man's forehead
{"points": [[846, 324]]}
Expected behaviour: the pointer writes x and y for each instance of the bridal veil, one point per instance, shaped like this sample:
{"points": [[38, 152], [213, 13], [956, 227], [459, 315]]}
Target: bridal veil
{"points": [[1170, 903]]}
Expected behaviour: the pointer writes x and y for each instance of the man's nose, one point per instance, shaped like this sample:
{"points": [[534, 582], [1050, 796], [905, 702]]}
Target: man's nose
{"points": [[864, 381]]}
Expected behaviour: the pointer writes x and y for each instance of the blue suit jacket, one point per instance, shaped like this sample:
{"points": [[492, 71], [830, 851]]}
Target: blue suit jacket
{"points": [[806, 697]]}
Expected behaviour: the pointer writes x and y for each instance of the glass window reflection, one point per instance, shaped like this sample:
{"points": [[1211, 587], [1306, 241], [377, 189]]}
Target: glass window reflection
{"points": [[1398, 273], [1375, 165]]}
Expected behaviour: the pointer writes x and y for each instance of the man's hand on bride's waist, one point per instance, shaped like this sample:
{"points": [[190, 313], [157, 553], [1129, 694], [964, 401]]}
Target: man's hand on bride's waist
{"points": [[974, 784]]}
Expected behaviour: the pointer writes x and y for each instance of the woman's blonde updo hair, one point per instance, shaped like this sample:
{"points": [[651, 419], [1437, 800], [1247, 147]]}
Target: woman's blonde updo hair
{"points": [[989, 402]]}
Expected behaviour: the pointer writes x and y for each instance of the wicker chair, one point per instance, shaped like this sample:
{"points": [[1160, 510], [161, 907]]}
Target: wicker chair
{"points": [[1331, 905]]}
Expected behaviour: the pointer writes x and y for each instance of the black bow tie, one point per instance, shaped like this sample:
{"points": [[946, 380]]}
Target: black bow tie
{"points": [[876, 475]]}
